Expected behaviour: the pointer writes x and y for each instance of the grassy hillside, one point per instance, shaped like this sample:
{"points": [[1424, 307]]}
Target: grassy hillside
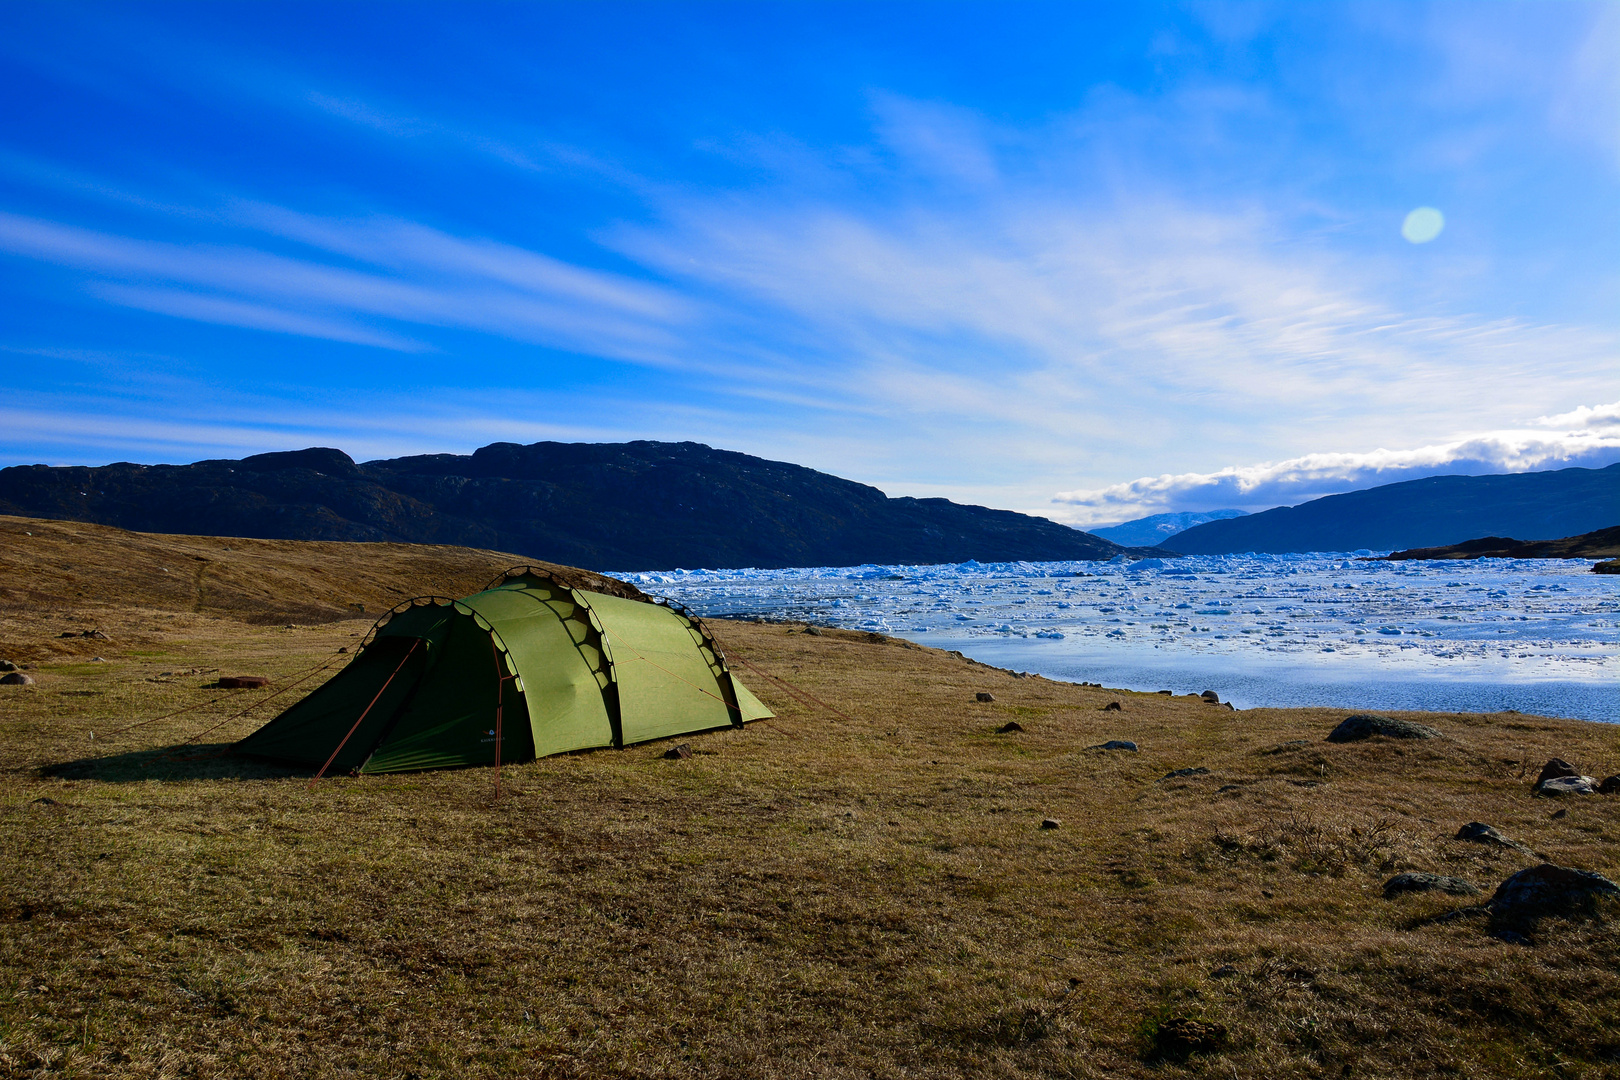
{"points": [[860, 893]]}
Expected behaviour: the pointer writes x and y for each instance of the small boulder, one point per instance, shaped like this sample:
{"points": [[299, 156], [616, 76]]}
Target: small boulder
{"points": [[1009, 727], [1175, 773], [16, 678], [7, 665], [1366, 725], [243, 682], [813, 631], [984, 695], [1115, 744], [1549, 889], [1477, 832], [1112, 706], [1610, 785], [1555, 768], [1211, 696], [1566, 785], [675, 753], [1420, 882], [1051, 823]]}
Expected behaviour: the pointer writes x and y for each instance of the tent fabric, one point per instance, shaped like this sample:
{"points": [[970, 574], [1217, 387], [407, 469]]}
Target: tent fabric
{"points": [[564, 669]]}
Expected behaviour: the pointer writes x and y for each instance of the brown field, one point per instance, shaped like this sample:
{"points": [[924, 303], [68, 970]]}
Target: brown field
{"points": [[859, 893]]}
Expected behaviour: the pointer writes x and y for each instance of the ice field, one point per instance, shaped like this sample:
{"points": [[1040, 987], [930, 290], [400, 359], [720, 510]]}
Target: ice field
{"points": [[1540, 636]]}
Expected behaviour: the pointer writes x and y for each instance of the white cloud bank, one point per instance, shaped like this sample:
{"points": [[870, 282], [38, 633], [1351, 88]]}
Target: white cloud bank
{"points": [[1586, 437]]}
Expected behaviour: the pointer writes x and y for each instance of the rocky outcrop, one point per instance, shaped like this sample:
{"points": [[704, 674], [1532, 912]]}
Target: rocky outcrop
{"points": [[1366, 725]]}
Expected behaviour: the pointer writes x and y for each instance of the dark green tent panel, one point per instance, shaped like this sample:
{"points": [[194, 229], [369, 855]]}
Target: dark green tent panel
{"points": [[538, 666]]}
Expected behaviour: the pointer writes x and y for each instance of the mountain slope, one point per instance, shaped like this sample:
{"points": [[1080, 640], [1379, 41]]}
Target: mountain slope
{"points": [[624, 506], [1432, 512], [1157, 528]]}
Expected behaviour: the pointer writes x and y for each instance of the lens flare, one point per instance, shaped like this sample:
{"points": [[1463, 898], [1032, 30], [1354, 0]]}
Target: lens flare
{"points": [[1423, 224]]}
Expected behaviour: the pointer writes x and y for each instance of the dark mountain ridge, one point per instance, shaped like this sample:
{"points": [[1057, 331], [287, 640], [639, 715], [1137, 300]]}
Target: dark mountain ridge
{"points": [[1432, 512], [608, 506], [1602, 544]]}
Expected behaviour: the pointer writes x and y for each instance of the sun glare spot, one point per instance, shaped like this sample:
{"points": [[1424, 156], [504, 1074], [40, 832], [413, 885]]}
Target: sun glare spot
{"points": [[1423, 224]]}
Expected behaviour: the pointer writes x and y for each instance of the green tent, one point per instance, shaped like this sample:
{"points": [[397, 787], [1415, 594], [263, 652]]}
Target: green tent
{"points": [[526, 668]]}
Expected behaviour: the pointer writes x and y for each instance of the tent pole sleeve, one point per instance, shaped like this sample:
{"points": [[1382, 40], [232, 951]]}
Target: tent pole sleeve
{"points": [[414, 643]]}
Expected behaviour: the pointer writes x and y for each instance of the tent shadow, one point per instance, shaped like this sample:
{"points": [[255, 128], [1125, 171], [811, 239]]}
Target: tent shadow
{"points": [[202, 761]]}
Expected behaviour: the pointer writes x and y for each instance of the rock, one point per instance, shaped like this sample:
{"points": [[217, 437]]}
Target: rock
{"points": [[342, 649], [1549, 889], [1366, 725], [7, 665], [1566, 785], [1478, 832], [1196, 771], [1115, 744], [1211, 696], [98, 659], [1051, 823], [1559, 814], [16, 678], [1419, 882], [983, 695], [813, 631], [1166, 693], [684, 750], [1112, 706], [243, 682], [1610, 785], [1555, 768], [1009, 727]]}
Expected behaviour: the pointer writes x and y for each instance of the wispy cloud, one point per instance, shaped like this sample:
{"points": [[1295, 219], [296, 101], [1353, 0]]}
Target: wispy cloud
{"points": [[1586, 437], [413, 275]]}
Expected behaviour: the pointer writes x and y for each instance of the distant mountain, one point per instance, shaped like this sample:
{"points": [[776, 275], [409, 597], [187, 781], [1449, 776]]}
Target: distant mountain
{"points": [[606, 506], [1158, 528], [1432, 512], [1602, 544]]}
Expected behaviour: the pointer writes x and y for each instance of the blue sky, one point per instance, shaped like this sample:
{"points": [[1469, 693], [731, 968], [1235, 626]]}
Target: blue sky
{"points": [[1085, 261]]}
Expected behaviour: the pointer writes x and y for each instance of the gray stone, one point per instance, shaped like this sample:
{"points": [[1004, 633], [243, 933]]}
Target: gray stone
{"points": [[16, 678], [1115, 744], [1196, 771], [684, 750], [1478, 832], [813, 631], [1567, 785], [7, 665], [1366, 725], [984, 695], [1549, 889], [1555, 768], [1211, 696], [1420, 882]]}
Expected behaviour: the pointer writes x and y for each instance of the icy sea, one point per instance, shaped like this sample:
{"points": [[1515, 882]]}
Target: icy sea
{"points": [[1536, 635]]}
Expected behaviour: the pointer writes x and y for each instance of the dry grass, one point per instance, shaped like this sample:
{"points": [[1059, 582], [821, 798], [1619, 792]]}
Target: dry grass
{"points": [[811, 897]]}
